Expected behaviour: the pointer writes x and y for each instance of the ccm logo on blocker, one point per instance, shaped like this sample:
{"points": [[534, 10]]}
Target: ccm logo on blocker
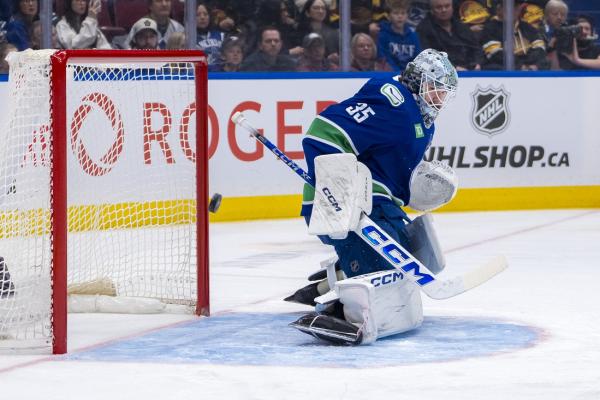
{"points": [[331, 199]]}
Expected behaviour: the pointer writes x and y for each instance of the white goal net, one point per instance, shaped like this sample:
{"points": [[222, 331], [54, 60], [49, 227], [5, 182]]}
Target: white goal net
{"points": [[128, 142]]}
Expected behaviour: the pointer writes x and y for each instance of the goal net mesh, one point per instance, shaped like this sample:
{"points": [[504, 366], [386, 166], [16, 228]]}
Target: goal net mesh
{"points": [[130, 189]]}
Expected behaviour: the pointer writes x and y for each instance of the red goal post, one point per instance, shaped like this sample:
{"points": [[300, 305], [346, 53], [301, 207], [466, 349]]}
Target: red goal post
{"points": [[127, 193]]}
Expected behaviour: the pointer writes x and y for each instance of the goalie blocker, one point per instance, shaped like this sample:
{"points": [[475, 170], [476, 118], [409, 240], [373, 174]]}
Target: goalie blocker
{"points": [[342, 192]]}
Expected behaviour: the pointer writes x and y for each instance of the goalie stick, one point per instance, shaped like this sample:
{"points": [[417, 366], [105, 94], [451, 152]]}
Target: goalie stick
{"points": [[388, 248]]}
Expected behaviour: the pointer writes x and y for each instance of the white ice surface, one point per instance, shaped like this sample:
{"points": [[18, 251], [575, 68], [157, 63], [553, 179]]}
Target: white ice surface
{"points": [[552, 285]]}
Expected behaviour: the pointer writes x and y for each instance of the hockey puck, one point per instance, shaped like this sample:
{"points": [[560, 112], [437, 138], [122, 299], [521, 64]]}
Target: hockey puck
{"points": [[215, 203]]}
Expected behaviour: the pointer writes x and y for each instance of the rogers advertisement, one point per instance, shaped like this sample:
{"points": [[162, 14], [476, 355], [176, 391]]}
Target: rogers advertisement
{"points": [[500, 132]]}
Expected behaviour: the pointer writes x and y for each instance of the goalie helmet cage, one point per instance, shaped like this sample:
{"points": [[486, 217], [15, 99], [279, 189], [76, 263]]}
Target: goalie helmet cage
{"points": [[130, 215]]}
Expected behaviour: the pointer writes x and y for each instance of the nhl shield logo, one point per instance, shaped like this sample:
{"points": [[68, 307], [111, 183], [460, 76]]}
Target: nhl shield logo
{"points": [[490, 110]]}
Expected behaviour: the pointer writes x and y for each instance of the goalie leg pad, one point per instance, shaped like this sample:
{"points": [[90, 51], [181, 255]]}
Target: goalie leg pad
{"points": [[424, 244], [382, 303], [329, 328]]}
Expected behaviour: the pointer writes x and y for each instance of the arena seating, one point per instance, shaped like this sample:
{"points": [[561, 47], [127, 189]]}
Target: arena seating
{"points": [[586, 7], [129, 11]]}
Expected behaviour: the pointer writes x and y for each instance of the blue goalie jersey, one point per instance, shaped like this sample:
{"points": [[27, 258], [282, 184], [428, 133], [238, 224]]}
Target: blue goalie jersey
{"points": [[382, 125]]}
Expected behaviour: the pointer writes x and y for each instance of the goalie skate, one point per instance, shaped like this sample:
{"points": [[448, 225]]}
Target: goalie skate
{"points": [[329, 328], [305, 295]]}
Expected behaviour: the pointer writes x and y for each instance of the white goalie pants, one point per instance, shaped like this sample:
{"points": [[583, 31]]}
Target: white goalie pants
{"points": [[382, 303]]}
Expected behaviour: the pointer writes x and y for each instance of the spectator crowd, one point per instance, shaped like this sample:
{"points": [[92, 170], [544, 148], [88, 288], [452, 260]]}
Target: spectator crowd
{"points": [[304, 35]]}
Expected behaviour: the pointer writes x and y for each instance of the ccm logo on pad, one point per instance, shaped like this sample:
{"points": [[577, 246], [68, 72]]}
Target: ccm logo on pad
{"points": [[387, 279]]}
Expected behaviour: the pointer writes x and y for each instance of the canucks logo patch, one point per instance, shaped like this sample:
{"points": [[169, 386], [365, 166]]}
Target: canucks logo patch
{"points": [[419, 131], [392, 93]]}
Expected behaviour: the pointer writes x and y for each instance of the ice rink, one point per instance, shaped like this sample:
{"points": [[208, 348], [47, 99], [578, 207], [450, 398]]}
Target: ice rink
{"points": [[533, 332]]}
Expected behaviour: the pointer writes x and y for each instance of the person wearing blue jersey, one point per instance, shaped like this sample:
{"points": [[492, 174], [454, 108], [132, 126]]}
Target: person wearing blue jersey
{"points": [[397, 42], [386, 127], [25, 12], [209, 39]]}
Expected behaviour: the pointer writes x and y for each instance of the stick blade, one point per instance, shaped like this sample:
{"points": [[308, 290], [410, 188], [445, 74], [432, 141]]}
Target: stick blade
{"points": [[444, 289], [484, 273]]}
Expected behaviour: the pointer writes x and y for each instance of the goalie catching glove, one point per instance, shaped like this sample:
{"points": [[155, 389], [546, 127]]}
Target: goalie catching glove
{"points": [[432, 184]]}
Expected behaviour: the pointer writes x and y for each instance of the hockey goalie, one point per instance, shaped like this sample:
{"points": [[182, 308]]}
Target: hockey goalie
{"points": [[365, 156]]}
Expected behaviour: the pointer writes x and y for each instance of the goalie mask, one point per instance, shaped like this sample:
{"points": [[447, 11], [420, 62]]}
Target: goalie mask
{"points": [[433, 79]]}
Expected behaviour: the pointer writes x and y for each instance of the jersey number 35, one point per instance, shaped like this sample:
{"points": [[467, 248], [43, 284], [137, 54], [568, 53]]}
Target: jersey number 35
{"points": [[361, 112]]}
